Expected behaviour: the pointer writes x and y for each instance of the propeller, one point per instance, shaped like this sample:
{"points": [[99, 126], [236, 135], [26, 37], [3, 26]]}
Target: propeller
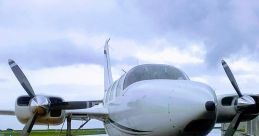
{"points": [[21, 78], [244, 102], [28, 126], [40, 105], [231, 78]]}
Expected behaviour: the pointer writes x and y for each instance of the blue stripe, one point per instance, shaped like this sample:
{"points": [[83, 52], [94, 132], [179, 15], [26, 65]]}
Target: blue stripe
{"points": [[133, 131]]}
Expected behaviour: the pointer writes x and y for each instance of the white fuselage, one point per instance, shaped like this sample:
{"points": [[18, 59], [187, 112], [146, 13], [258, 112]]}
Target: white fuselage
{"points": [[159, 107]]}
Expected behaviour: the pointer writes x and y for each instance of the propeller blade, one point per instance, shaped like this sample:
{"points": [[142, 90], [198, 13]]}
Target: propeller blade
{"points": [[21, 78], [233, 125], [231, 77], [68, 105], [29, 125]]}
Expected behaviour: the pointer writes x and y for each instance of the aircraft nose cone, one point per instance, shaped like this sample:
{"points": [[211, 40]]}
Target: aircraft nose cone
{"points": [[205, 115], [210, 106]]}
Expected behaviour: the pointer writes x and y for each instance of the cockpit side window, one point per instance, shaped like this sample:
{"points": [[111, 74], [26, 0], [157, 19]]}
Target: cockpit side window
{"points": [[120, 85], [106, 95], [113, 91]]}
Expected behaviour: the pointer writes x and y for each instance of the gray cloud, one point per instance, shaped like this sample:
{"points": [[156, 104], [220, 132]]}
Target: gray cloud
{"points": [[34, 33], [59, 52], [226, 27], [112, 17], [51, 53]]}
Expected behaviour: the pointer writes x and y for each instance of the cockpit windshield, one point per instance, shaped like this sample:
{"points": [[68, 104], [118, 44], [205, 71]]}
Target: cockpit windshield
{"points": [[153, 71]]}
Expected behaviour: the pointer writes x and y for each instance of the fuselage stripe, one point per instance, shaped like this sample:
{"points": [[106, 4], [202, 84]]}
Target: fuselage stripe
{"points": [[127, 128]]}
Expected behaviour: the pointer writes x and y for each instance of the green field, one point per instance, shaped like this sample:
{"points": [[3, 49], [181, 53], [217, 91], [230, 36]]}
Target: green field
{"points": [[53, 132]]}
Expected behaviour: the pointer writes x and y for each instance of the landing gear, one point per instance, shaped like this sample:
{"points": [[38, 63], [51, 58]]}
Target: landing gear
{"points": [[69, 125]]}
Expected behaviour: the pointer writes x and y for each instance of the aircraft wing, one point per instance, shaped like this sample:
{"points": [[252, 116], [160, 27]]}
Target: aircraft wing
{"points": [[96, 112], [7, 112]]}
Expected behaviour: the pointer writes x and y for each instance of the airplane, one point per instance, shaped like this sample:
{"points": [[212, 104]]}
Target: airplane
{"points": [[148, 100]]}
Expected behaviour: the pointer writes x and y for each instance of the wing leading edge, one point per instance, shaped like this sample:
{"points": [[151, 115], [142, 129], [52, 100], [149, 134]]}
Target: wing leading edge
{"points": [[7, 112], [96, 112]]}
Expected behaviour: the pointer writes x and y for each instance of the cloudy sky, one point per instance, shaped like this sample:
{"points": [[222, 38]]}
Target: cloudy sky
{"points": [[59, 43]]}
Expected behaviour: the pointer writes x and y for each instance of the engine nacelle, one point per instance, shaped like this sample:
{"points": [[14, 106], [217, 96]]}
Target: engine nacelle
{"points": [[24, 113], [227, 109]]}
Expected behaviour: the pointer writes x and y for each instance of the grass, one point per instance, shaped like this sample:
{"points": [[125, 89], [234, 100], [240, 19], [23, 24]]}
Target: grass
{"points": [[55, 132]]}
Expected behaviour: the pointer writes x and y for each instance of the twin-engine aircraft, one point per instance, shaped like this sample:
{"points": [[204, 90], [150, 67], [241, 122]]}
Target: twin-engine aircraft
{"points": [[148, 100]]}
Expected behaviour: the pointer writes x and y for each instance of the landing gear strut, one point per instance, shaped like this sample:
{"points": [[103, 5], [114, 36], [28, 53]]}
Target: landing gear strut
{"points": [[69, 125]]}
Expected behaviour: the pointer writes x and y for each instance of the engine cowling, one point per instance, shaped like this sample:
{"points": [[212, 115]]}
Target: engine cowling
{"points": [[24, 113], [227, 108]]}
